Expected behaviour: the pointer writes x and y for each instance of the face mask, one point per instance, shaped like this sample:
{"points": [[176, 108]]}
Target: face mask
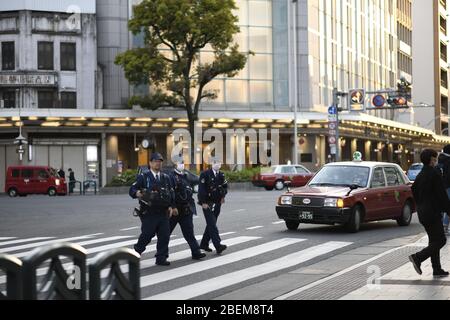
{"points": [[217, 166], [180, 167]]}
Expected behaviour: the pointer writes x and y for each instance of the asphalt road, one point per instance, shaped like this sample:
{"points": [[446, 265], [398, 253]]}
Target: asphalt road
{"points": [[244, 271]]}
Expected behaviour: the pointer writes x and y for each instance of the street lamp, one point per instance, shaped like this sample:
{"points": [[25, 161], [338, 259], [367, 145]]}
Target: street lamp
{"points": [[294, 23], [20, 140]]}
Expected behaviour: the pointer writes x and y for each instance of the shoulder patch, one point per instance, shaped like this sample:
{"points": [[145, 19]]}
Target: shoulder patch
{"points": [[203, 180]]}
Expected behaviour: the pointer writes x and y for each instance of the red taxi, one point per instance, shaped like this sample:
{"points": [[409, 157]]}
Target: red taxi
{"points": [[277, 176], [350, 193]]}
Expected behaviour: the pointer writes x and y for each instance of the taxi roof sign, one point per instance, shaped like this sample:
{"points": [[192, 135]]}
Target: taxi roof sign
{"points": [[357, 156]]}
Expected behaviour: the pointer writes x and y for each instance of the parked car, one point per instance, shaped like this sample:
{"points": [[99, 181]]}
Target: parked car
{"points": [[193, 179], [24, 180], [350, 193], [414, 170], [277, 176]]}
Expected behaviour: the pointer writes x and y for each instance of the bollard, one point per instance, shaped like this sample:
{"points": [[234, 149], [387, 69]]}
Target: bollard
{"points": [[117, 286], [14, 282], [56, 284]]}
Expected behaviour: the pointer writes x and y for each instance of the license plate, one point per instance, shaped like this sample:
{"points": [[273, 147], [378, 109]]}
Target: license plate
{"points": [[306, 215]]}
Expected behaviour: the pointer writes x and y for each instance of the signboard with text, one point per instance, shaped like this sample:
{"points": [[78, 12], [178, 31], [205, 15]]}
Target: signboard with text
{"points": [[30, 80]]}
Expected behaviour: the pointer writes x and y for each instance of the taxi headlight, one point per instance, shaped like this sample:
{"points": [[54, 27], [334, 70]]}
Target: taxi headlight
{"points": [[333, 203], [286, 200], [57, 182]]}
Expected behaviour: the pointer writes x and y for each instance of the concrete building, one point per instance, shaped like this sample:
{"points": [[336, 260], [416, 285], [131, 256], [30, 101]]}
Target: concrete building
{"points": [[431, 66]]}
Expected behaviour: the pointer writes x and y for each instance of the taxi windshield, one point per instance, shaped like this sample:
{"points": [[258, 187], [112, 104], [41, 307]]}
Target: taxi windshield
{"points": [[341, 176]]}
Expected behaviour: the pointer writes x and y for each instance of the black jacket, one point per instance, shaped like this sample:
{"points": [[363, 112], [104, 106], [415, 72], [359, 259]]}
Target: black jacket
{"points": [[430, 195], [212, 189], [444, 166]]}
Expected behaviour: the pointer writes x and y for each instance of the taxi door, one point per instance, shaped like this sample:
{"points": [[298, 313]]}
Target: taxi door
{"points": [[395, 197], [374, 197]]}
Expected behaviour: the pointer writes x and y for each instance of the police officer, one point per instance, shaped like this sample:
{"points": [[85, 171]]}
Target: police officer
{"points": [[155, 193], [186, 209], [211, 195]]}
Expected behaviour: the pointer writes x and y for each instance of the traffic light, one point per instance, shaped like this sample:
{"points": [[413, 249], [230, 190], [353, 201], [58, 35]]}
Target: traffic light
{"points": [[397, 101]]}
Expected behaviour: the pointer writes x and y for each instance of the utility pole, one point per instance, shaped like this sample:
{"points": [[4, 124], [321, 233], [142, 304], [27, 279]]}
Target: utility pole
{"points": [[295, 83]]}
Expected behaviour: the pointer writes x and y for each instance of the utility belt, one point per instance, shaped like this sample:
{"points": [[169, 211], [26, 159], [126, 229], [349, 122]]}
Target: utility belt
{"points": [[184, 210], [152, 201], [215, 195]]}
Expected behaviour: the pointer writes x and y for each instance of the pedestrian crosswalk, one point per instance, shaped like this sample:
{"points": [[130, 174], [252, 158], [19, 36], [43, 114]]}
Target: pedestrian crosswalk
{"points": [[247, 258]]}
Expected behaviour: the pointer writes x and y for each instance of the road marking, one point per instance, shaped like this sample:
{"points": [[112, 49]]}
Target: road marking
{"points": [[255, 227], [217, 262], [7, 238], [311, 285], [278, 222], [41, 243], [239, 210], [226, 234], [24, 240], [128, 229], [229, 279], [185, 254]]}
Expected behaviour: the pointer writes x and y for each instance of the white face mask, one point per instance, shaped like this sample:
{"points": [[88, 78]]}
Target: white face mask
{"points": [[217, 166], [180, 167]]}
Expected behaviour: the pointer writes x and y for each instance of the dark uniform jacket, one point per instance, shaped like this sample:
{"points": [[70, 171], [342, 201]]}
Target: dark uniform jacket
{"points": [[444, 166], [212, 189], [148, 181], [430, 195], [183, 192]]}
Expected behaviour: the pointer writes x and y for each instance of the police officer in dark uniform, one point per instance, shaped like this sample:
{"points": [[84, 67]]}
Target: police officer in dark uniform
{"points": [[185, 208], [211, 195], [157, 204]]}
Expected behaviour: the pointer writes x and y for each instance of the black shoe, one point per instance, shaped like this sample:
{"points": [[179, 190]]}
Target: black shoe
{"points": [[221, 248], [440, 273], [162, 263], [207, 249], [416, 264], [137, 251], [198, 256]]}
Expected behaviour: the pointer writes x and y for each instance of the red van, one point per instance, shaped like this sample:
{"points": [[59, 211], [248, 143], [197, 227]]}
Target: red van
{"points": [[24, 180]]}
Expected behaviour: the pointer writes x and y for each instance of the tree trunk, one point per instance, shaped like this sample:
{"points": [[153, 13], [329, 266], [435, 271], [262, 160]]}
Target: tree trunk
{"points": [[193, 147]]}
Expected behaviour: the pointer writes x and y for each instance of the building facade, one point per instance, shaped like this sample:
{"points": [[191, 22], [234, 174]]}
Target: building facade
{"points": [[81, 120], [430, 50]]}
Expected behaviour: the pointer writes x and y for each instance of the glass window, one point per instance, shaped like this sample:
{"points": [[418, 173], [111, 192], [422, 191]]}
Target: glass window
{"points": [[241, 38], [288, 170], [27, 173], [237, 91], [260, 13], [68, 100], [217, 87], [68, 56], [9, 99], [45, 56], [15, 173], [341, 176], [8, 56], [46, 99], [261, 92], [378, 180], [241, 12], [301, 170], [260, 39], [261, 67], [392, 176], [42, 174]]}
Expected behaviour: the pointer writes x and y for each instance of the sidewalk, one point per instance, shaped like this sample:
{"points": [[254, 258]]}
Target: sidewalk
{"points": [[404, 283]]}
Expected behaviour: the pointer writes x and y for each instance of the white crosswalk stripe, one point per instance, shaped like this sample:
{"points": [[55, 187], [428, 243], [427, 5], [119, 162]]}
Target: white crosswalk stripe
{"points": [[42, 243], [7, 238], [226, 280], [217, 262], [6, 243]]}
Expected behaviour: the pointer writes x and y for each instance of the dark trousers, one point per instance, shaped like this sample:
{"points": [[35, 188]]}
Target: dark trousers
{"points": [[437, 240], [211, 230], [155, 223], [71, 186], [187, 228]]}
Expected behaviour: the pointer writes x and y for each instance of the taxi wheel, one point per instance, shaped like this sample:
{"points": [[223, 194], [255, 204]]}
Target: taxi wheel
{"points": [[292, 224], [268, 188], [12, 193], [354, 223], [279, 185], [52, 192], [406, 217]]}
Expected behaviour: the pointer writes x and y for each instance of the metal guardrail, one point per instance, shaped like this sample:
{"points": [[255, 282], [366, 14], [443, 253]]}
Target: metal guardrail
{"points": [[74, 183], [14, 281], [26, 280], [87, 184], [116, 286], [55, 285]]}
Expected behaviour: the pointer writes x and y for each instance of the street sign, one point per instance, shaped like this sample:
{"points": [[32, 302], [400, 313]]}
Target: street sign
{"points": [[332, 125], [332, 132], [332, 118], [332, 110], [332, 140], [379, 101], [333, 149], [357, 99]]}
